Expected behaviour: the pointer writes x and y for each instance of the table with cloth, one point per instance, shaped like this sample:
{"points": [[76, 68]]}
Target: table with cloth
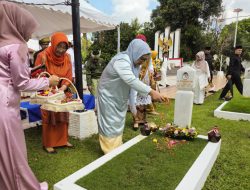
{"points": [[31, 113]]}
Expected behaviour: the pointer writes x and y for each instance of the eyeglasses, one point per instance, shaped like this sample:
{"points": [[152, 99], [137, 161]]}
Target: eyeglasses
{"points": [[142, 59]]}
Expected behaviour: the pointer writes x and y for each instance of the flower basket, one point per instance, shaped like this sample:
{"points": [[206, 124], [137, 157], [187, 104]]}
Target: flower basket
{"points": [[43, 96], [65, 105]]}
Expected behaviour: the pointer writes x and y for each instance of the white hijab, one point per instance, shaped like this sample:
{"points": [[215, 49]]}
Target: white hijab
{"points": [[135, 50]]}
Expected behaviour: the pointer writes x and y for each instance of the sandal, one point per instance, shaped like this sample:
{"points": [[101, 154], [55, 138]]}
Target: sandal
{"points": [[135, 126], [69, 145], [49, 150]]}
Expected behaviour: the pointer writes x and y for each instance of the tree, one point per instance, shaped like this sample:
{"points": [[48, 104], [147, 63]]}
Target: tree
{"points": [[226, 38], [106, 41], [189, 16], [85, 46]]}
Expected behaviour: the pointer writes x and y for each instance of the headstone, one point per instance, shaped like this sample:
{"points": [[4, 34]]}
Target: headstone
{"points": [[246, 83], [185, 78], [184, 97]]}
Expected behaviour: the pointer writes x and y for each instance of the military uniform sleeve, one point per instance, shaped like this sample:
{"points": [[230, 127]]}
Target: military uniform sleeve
{"points": [[88, 74]]}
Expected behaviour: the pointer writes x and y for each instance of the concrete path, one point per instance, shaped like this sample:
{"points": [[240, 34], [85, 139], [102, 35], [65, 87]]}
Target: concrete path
{"points": [[171, 90]]}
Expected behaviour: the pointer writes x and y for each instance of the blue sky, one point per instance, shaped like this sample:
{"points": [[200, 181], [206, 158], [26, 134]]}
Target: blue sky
{"points": [[103, 5], [106, 5], [126, 10]]}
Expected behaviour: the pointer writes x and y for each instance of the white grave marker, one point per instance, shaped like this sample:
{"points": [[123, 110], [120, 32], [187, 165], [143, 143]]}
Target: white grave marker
{"points": [[184, 97], [246, 83]]}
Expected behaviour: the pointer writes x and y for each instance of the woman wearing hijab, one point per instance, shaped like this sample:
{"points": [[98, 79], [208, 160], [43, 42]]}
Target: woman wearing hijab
{"points": [[16, 27], [57, 62], [119, 76], [202, 77]]}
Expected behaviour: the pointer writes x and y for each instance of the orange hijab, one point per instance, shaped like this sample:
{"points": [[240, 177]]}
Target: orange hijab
{"points": [[60, 66]]}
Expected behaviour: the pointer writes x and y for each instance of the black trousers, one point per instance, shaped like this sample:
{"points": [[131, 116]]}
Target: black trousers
{"points": [[211, 77], [235, 79]]}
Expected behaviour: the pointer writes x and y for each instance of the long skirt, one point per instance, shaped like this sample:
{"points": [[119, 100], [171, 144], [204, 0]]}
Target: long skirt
{"points": [[15, 173], [55, 128], [109, 143]]}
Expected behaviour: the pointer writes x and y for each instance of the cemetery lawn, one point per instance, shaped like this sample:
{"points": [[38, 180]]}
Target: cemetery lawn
{"points": [[238, 104], [55, 167], [143, 166], [231, 169]]}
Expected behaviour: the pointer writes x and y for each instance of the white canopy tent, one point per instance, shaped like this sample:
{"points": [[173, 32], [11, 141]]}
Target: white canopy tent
{"points": [[54, 18], [55, 15]]}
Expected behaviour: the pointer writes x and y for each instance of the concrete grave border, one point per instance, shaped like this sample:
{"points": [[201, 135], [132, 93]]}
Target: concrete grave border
{"points": [[230, 115], [193, 180]]}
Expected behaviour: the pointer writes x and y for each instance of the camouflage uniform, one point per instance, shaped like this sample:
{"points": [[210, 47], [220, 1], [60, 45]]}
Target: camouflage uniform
{"points": [[93, 73]]}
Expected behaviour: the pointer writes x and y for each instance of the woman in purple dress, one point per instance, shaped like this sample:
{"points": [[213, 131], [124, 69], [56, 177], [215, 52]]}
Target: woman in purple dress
{"points": [[16, 27]]}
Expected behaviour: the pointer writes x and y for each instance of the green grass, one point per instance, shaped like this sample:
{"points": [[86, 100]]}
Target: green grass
{"points": [[238, 104], [144, 167], [54, 167], [231, 170]]}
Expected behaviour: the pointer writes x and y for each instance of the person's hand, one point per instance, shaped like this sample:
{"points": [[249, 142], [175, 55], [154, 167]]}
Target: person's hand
{"points": [[229, 77], [209, 78], [63, 88], [54, 80], [157, 96]]}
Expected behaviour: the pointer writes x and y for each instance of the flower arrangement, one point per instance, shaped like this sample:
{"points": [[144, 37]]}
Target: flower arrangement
{"points": [[176, 132]]}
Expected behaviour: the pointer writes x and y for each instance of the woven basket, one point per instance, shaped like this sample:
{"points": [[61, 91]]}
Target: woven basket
{"points": [[39, 99], [57, 106]]}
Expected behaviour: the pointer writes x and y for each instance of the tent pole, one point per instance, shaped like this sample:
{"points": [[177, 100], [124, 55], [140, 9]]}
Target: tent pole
{"points": [[118, 38], [77, 45]]}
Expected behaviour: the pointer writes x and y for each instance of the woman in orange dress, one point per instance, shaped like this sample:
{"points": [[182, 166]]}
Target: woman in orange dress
{"points": [[57, 62]]}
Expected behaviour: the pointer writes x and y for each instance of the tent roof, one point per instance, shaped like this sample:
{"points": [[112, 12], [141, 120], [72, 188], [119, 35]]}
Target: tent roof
{"points": [[58, 17]]}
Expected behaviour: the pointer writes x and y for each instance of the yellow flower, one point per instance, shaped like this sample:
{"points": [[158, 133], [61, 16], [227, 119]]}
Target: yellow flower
{"points": [[155, 140]]}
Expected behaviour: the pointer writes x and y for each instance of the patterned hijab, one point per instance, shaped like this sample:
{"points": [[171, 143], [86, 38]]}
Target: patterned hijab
{"points": [[200, 62], [16, 24]]}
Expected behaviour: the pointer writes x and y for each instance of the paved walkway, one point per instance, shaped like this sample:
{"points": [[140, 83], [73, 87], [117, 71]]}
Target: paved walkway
{"points": [[171, 90]]}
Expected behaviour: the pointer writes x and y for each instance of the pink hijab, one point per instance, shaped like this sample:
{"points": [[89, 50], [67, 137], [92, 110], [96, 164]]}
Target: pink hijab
{"points": [[16, 24], [200, 63]]}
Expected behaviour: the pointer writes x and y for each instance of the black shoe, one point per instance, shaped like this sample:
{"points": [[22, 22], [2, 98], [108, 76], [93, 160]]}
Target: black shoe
{"points": [[224, 99], [167, 85], [228, 98], [211, 91]]}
